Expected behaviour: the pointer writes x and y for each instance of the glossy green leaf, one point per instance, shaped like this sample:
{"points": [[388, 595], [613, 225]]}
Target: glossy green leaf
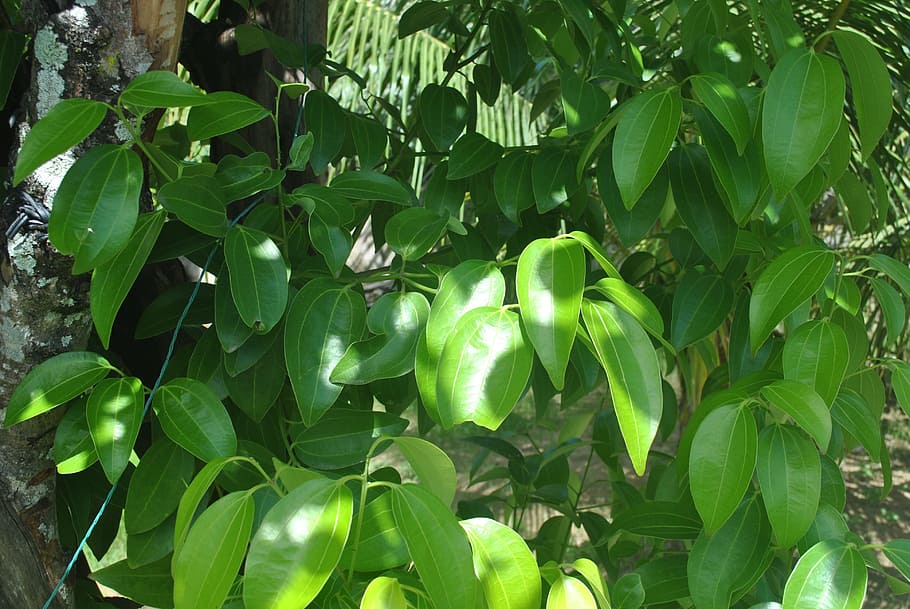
{"points": [[370, 186], [333, 242], [320, 325], [853, 414], [893, 308], [432, 465], [631, 224], [591, 572], [801, 113], [225, 111], [381, 545], [245, 176], [634, 302], [660, 519], [199, 203], [483, 368], [161, 89], [342, 437], [790, 279], [699, 204], [721, 463], [549, 281], [207, 563], [584, 104], [870, 86], [53, 382], [197, 491], [150, 584], [831, 575], [438, 546], [443, 114], [300, 152], [597, 251], [722, 100], [325, 120], [570, 593], [163, 474], [629, 359], [112, 280], [900, 382], [789, 472], [259, 277], [642, 141], [66, 124], [723, 566], [297, 546], [553, 178], [232, 332], [471, 154], [384, 592], [509, 46], [74, 450], [898, 552], [898, 272], [370, 139], [411, 233], [114, 414], [96, 206], [804, 406], [512, 184], [504, 565], [817, 354], [396, 320], [193, 417], [700, 305]]}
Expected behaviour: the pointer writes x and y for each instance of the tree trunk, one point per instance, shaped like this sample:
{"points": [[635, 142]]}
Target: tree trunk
{"points": [[91, 49]]}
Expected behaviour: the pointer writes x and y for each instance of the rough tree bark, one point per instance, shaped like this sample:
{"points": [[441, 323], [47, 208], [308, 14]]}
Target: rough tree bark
{"points": [[87, 48]]}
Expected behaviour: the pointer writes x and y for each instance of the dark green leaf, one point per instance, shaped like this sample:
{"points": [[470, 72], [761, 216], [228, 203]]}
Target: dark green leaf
{"points": [[198, 201], [242, 177], [325, 120], [333, 242], [12, 46], [150, 584], [381, 545], [512, 184], [854, 195], [256, 390], [156, 486], [114, 413], [471, 154], [631, 224], [161, 314], [370, 140], [553, 178], [898, 272], [259, 277], [371, 186], [660, 519], [893, 308], [225, 111], [342, 437], [510, 49], [420, 16], [193, 417], [900, 381], [443, 114], [700, 305], [583, 103], [852, 413], [412, 232], [898, 552]]}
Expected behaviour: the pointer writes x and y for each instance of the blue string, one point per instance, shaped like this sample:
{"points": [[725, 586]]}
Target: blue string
{"points": [[148, 401]]}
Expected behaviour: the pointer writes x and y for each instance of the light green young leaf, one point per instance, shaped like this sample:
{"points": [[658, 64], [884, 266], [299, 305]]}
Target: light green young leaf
{"points": [[207, 563], [384, 592], [802, 112], [831, 575], [297, 546], [570, 593], [721, 98], [66, 124], [629, 359], [817, 354], [114, 415], [259, 277], [642, 141], [803, 405], [53, 382], [193, 417], [550, 281], [504, 565]]}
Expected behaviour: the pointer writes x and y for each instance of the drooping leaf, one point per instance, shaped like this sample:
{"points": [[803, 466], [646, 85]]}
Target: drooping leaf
{"points": [[512, 184], [432, 465], [597, 252], [721, 98], [898, 272], [420, 16], [893, 308], [163, 473], [509, 45], [255, 390], [198, 201], [853, 414], [549, 282], [898, 552], [325, 120], [660, 519], [631, 224], [150, 584], [626, 354], [817, 354], [633, 302], [553, 178], [471, 154], [333, 242], [700, 305], [584, 104], [114, 414], [443, 114], [804, 406], [831, 575], [193, 417], [259, 277], [413, 231], [900, 381]]}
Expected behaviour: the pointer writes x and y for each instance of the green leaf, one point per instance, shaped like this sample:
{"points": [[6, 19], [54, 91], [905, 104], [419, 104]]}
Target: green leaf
{"points": [[471, 154], [112, 280], [66, 124], [96, 206], [419, 17], [789, 472], [193, 417], [722, 100], [723, 566], [569, 593], [790, 279], [597, 252], [370, 140], [509, 45], [660, 519], [432, 465], [74, 450], [854, 195], [412, 232], [553, 178], [259, 277], [801, 113], [438, 546], [483, 368], [297, 546], [300, 152], [53, 382], [642, 141], [232, 332], [900, 381], [163, 474], [207, 563], [343, 437], [12, 46], [162, 314], [584, 104], [321, 324], [225, 111], [817, 354], [628, 593], [831, 575], [631, 224], [242, 177], [255, 391], [161, 89], [333, 242], [632, 301], [626, 354], [898, 552], [853, 414], [193, 496], [370, 186], [488, 82], [443, 114], [870, 87], [898, 272], [699, 204], [512, 184], [198, 201], [504, 565], [149, 546], [549, 282], [114, 414], [700, 305], [722, 462], [325, 120], [804, 406], [384, 592], [396, 319], [381, 545], [893, 308], [149, 584]]}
